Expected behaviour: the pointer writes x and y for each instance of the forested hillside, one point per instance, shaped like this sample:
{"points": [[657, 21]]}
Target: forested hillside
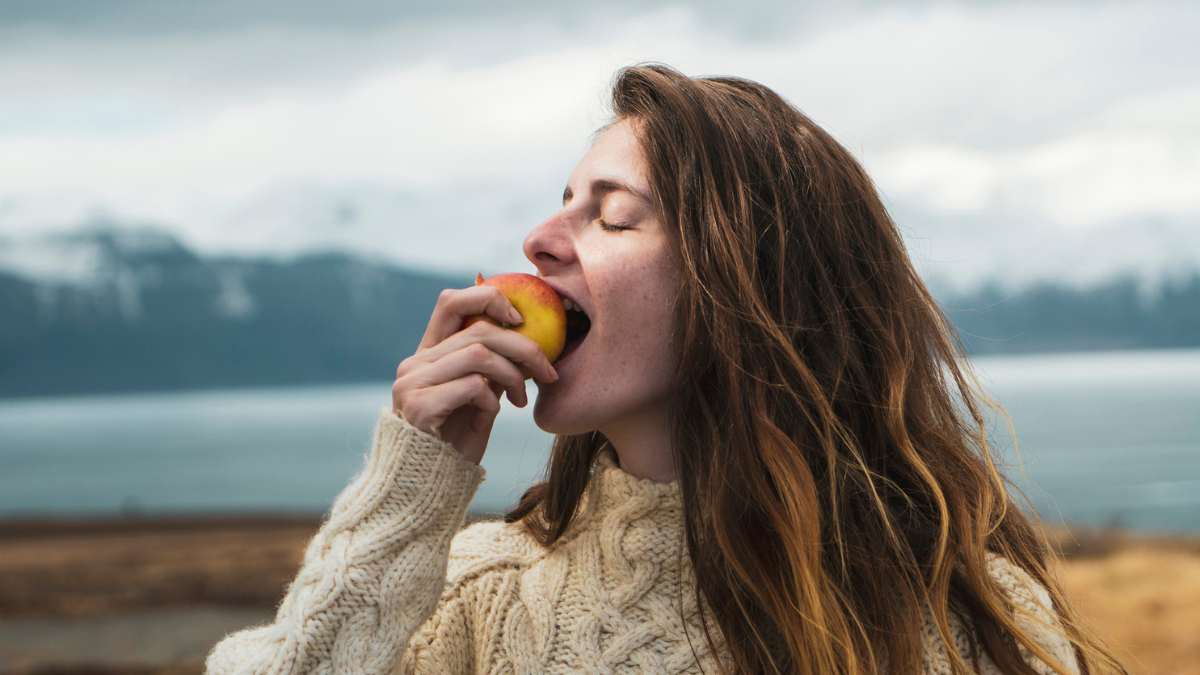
{"points": [[1053, 318], [161, 317], [149, 314]]}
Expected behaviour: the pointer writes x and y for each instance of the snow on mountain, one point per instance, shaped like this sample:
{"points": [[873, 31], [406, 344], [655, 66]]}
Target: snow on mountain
{"points": [[93, 254], [961, 253]]}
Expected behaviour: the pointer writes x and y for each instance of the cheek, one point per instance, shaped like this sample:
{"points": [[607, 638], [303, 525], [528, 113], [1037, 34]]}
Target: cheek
{"points": [[630, 362], [639, 295]]}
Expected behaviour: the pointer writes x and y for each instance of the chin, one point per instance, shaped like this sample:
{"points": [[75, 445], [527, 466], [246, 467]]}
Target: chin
{"points": [[552, 416]]}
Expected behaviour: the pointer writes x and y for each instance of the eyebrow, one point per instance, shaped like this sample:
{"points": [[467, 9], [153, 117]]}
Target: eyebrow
{"points": [[603, 186]]}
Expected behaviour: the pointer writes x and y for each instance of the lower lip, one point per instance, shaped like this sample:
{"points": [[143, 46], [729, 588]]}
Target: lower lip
{"points": [[564, 359]]}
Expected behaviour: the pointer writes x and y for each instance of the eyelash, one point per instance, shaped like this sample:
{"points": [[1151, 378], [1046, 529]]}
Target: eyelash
{"points": [[609, 227]]}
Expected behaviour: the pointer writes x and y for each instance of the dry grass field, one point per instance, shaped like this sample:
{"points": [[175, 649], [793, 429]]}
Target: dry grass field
{"points": [[1143, 595], [150, 597]]}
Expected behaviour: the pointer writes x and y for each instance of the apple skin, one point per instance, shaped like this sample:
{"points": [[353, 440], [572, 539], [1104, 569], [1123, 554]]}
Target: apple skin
{"points": [[545, 319]]}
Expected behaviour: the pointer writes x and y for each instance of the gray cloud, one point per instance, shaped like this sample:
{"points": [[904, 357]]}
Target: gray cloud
{"points": [[176, 55], [154, 16], [748, 18], [985, 76]]}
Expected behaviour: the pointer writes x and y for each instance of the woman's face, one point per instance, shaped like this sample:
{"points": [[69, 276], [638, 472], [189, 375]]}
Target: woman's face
{"points": [[606, 252]]}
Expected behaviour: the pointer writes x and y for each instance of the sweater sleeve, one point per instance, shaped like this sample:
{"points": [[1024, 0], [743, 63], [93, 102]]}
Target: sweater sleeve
{"points": [[374, 572], [1037, 618], [483, 621]]}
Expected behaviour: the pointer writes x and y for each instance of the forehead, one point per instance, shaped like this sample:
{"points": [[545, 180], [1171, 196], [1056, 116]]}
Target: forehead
{"points": [[615, 156]]}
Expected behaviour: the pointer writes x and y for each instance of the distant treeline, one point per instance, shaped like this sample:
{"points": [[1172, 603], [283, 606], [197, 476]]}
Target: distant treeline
{"points": [[169, 319], [162, 318], [1054, 318]]}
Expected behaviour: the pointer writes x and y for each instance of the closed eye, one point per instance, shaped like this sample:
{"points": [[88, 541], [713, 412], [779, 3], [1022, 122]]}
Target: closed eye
{"points": [[611, 227]]}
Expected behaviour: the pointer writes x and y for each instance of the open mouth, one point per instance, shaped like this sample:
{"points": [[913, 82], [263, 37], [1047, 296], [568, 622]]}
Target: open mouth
{"points": [[578, 325]]}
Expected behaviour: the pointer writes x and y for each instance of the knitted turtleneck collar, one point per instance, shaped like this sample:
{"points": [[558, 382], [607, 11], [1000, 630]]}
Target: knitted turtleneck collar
{"points": [[615, 488], [642, 518]]}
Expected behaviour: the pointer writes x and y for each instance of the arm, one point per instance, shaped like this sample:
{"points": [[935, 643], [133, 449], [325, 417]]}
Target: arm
{"points": [[374, 572]]}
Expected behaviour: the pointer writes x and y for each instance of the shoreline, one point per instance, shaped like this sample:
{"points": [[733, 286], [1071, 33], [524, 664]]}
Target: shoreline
{"points": [[39, 526], [1068, 542], [169, 587], [32, 527]]}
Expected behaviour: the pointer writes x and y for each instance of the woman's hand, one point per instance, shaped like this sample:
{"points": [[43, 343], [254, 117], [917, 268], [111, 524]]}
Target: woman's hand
{"points": [[451, 387]]}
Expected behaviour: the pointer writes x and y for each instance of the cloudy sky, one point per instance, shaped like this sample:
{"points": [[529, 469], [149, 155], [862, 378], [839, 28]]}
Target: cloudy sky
{"points": [[1015, 141]]}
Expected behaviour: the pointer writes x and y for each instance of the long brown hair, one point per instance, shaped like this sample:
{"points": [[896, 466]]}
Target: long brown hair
{"points": [[836, 481]]}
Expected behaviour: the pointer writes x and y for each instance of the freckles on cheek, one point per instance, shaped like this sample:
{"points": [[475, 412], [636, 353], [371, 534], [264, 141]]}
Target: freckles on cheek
{"points": [[630, 343], [636, 287]]}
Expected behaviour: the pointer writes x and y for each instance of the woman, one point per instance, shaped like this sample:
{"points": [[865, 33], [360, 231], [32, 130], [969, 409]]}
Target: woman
{"points": [[768, 455]]}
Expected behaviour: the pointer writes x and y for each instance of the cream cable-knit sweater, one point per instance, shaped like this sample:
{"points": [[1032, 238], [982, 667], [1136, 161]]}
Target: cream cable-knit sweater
{"points": [[387, 586]]}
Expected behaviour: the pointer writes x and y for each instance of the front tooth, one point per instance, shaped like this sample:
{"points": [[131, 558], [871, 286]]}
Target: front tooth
{"points": [[568, 304]]}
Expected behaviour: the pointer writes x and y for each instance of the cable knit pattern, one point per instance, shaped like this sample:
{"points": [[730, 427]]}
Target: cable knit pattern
{"points": [[384, 590], [372, 574]]}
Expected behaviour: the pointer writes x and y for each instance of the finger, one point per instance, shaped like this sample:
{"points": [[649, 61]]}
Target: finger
{"points": [[455, 305], [429, 408], [465, 433], [483, 419], [520, 402], [507, 343], [485, 399], [475, 358], [480, 424]]}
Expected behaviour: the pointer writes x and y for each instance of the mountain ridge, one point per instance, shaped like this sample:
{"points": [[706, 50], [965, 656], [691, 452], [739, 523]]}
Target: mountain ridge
{"points": [[136, 310], [162, 318]]}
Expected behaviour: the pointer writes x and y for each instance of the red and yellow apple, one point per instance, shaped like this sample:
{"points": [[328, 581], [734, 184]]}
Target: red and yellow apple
{"points": [[545, 319]]}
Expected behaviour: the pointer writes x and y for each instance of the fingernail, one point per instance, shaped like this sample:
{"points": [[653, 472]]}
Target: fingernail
{"points": [[515, 317]]}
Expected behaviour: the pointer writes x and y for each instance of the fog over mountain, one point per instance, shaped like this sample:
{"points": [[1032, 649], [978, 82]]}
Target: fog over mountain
{"points": [[1016, 249], [132, 309], [204, 194], [1016, 142], [113, 308]]}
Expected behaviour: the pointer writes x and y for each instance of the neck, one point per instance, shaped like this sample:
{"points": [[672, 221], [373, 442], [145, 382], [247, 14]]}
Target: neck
{"points": [[643, 447]]}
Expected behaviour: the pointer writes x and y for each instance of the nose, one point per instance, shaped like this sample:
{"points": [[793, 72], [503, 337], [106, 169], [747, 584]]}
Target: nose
{"points": [[550, 246]]}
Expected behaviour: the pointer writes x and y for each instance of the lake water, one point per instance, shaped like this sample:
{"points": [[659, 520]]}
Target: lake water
{"points": [[1105, 438]]}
